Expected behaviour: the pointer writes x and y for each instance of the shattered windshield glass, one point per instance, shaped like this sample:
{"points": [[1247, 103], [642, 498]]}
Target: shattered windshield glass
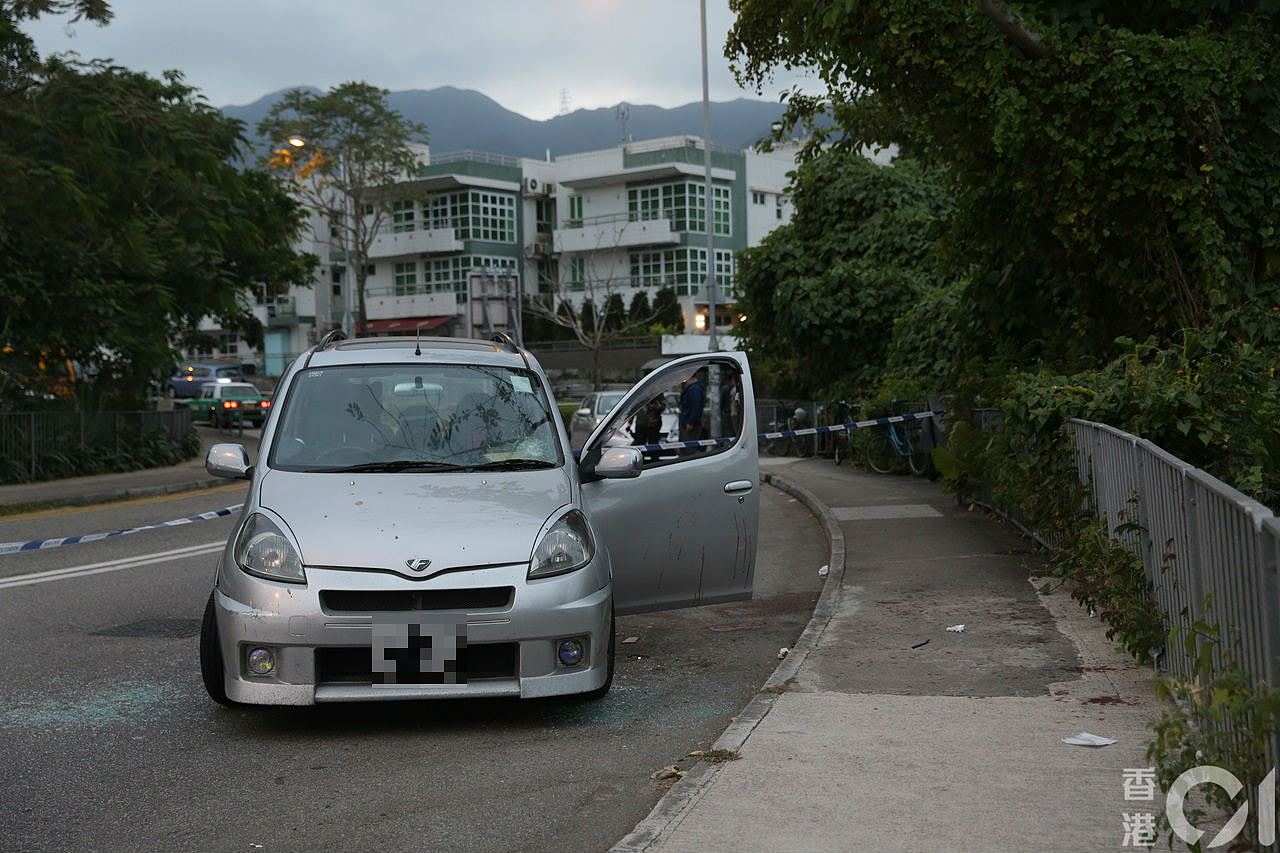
{"points": [[415, 418]]}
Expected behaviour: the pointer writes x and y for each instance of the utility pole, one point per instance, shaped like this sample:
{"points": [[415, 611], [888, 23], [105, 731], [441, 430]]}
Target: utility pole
{"points": [[348, 239], [713, 372], [712, 343]]}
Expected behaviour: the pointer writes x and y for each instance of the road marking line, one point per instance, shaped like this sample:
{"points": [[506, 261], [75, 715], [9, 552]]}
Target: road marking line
{"points": [[112, 565]]}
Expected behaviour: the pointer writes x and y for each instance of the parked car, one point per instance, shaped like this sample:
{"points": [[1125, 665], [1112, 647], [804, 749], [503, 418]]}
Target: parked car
{"points": [[591, 411], [416, 527], [223, 404], [188, 379]]}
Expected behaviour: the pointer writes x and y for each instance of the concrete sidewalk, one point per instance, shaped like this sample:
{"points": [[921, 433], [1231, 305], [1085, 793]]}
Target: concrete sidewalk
{"points": [[100, 488], [889, 733]]}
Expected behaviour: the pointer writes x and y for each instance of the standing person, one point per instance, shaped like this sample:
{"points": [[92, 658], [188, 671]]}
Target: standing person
{"points": [[692, 399], [649, 423]]}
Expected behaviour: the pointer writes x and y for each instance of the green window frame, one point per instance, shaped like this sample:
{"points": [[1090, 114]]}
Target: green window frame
{"points": [[405, 277], [403, 215]]}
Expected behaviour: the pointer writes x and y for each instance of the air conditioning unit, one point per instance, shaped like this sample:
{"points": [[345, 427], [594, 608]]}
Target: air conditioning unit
{"points": [[537, 250], [533, 186]]}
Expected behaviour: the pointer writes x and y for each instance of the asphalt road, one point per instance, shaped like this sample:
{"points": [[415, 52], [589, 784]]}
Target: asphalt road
{"points": [[110, 743]]}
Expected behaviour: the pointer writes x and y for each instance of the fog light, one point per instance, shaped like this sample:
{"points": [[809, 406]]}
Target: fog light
{"points": [[570, 652], [261, 661]]}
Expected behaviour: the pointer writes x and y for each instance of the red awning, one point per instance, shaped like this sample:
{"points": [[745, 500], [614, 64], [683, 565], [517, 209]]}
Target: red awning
{"points": [[406, 324]]}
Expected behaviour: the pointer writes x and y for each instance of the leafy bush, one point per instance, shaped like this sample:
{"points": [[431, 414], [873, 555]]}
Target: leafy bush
{"points": [[821, 293], [1217, 717], [155, 449]]}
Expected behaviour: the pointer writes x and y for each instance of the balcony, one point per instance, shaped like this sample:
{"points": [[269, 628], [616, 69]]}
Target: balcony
{"points": [[411, 301], [282, 311], [614, 231], [430, 237]]}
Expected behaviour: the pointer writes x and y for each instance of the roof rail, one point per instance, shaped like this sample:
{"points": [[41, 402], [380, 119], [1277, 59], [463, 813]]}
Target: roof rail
{"points": [[508, 343], [330, 337]]}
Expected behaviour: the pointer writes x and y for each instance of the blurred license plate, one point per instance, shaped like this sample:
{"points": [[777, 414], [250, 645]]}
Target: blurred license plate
{"points": [[418, 651]]}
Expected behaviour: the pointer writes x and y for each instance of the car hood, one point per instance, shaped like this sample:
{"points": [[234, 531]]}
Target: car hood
{"points": [[381, 521]]}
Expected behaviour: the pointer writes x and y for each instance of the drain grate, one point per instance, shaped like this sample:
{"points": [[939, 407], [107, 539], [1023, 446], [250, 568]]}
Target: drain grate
{"points": [[166, 628]]}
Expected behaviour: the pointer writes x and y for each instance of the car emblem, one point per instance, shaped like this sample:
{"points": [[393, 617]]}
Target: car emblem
{"points": [[418, 565]]}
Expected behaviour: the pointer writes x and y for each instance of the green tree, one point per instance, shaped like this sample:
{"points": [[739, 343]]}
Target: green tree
{"points": [[821, 293], [666, 311], [640, 312], [615, 313], [343, 149], [125, 218], [1116, 166]]}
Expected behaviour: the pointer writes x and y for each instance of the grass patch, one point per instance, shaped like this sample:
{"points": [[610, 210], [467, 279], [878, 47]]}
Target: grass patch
{"points": [[716, 756]]}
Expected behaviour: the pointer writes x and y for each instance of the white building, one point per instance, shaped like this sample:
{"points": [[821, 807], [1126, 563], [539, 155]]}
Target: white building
{"points": [[621, 220]]}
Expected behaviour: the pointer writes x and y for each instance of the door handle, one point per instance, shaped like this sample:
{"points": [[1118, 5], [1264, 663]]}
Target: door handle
{"points": [[737, 487]]}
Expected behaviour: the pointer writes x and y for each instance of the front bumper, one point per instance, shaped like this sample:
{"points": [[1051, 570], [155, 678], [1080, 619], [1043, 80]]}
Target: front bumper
{"points": [[292, 621]]}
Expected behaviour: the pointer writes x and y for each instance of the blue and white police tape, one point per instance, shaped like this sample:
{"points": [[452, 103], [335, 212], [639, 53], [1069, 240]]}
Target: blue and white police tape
{"points": [[787, 433], [45, 544]]}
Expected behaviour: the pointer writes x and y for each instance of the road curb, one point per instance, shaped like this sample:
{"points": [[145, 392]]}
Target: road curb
{"points": [[110, 495], [672, 808]]}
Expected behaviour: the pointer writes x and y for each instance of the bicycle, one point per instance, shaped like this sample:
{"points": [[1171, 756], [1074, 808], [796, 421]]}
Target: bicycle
{"points": [[791, 446], [899, 443], [841, 446]]}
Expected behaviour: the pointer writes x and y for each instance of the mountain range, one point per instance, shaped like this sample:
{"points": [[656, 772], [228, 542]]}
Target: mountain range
{"points": [[463, 118]]}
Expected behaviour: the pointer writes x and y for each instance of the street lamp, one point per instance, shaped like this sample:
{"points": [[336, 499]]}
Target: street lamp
{"points": [[297, 141]]}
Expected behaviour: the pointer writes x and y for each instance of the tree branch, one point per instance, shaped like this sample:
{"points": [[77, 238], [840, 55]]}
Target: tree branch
{"points": [[1027, 42]]}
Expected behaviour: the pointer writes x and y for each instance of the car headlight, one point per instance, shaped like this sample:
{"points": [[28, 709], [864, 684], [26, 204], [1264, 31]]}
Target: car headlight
{"points": [[264, 550], [567, 545]]}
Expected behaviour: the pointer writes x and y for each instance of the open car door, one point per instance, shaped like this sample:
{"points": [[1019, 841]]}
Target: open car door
{"points": [[684, 532]]}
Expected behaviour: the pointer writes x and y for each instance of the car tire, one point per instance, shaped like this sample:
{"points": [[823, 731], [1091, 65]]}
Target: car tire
{"points": [[212, 670], [603, 690]]}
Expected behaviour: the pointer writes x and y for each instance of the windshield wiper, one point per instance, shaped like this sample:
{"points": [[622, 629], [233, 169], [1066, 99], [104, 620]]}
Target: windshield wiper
{"points": [[394, 467], [511, 465]]}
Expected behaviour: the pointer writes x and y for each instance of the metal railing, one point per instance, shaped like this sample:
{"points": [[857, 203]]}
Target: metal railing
{"points": [[435, 223], [621, 216], [1211, 553], [630, 342], [28, 437], [468, 156]]}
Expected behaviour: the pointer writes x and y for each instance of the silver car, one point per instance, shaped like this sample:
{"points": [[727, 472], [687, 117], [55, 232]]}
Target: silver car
{"points": [[590, 413], [417, 527]]}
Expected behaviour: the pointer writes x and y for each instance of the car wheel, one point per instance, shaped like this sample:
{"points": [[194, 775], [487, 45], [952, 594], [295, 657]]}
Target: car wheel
{"points": [[211, 666], [601, 691]]}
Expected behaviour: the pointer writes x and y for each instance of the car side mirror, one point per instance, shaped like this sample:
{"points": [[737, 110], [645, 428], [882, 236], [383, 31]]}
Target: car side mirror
{"points": [[228, 460], [583, 413], [612, 463]]}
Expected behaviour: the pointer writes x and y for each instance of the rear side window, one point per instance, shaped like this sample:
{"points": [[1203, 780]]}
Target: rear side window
{"points": [[228, 371]]}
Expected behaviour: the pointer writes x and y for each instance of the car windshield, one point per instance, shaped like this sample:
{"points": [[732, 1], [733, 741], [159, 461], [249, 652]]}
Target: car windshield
{"points": [[239, 392], [607, 402], [415, 418], [229, 371]]}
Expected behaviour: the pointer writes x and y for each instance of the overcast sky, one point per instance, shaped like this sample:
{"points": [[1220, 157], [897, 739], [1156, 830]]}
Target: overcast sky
{"points": [[522, 53]]}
